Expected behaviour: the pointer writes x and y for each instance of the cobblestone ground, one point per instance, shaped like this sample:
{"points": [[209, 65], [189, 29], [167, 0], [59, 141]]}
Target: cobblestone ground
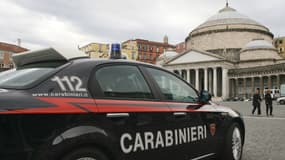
{"points": [[265, 136]]}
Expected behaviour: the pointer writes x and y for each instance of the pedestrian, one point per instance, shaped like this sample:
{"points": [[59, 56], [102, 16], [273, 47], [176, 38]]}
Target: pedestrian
{"points": [[256, 102], [268, 102]]}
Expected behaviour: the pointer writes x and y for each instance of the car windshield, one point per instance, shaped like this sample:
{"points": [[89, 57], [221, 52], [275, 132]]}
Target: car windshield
{"points": [[17, 79]]}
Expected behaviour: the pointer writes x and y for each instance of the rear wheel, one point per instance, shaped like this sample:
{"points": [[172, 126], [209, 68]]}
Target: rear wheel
{"points": [[85, 154], [282, 102], [233, 144]]}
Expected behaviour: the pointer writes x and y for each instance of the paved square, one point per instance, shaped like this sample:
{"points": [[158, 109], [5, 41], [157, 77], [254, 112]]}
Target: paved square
{"points": [[265, 136]]}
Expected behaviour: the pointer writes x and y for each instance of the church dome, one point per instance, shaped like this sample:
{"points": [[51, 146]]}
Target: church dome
{"points": [[226, 33], [228, 16], [258, 49], [258, 44], [167, 55]]}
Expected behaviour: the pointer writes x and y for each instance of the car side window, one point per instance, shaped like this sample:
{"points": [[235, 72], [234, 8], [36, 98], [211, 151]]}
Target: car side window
{"points": [[124, 82], [173, 88]]}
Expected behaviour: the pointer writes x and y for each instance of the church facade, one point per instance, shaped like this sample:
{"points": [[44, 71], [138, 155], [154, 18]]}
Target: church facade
{"points": [[230, 55]]}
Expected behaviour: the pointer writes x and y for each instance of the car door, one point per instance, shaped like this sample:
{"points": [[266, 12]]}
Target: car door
{"points": [[130, 110], [192, 131]]}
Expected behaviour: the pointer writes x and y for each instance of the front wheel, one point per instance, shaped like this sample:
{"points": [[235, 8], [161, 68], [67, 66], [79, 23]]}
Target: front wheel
{"points": [[233, 144], [85, 154]]}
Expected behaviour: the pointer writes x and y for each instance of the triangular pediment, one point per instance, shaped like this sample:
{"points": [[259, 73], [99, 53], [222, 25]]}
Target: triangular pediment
{"points": [[194, 56]]}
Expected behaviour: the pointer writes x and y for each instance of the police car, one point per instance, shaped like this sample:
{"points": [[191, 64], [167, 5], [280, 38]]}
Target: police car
{"points": [[55, 106]]}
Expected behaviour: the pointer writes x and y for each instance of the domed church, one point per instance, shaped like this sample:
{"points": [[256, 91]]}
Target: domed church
{"points": [[230, 55]]}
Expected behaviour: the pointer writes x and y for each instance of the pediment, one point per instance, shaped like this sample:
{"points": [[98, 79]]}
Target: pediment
{"points": [[194, 56]]}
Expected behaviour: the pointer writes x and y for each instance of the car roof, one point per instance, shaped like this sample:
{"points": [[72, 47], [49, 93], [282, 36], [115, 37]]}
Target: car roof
{"points": [[96, 62]]}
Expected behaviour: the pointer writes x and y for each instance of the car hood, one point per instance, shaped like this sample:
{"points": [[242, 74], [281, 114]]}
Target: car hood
{"points": [[213, 107]]}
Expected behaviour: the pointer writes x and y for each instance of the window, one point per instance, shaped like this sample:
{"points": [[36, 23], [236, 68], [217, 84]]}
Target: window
{"points": [[100, 47], [22, 77], [172, 87], [280, 41], [133, 55], [123, 81], [157, 49]]}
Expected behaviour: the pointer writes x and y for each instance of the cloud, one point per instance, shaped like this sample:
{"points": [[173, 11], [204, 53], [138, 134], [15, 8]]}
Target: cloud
{"points": [[44, 23]]}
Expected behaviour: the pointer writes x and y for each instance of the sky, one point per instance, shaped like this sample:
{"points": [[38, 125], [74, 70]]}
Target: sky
{"points": [[75, 23]]}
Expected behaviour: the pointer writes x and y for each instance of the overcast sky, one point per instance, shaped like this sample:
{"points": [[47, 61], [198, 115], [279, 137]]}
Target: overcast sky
{"points": [[72, 23]]}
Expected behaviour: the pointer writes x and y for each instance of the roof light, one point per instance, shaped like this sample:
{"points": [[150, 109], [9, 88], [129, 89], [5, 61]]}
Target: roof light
{"points": [[115, 51]]}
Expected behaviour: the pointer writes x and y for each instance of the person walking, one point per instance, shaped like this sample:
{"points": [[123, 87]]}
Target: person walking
{"points": [[268, 102], [256, 102]]}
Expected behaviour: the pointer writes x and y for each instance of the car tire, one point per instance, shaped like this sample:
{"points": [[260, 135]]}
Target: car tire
{"points": [[85, 154], [282, 102], [233, 144]]}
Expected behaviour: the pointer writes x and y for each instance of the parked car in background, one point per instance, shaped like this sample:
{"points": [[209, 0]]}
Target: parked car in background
{"points": [[281, 100]]}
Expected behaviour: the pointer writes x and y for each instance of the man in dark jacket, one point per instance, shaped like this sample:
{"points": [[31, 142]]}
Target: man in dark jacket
{"points": [[268, 102], [256, 102]]}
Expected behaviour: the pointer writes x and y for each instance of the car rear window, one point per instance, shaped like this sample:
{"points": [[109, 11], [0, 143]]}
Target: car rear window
{"points": [[18, 79]]}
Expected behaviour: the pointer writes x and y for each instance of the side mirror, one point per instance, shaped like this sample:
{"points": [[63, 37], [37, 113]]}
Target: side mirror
{"points": [[205, 96]]}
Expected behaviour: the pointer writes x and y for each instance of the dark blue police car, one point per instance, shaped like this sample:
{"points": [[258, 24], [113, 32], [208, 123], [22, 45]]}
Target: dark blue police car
{"points": [[55, 107]]}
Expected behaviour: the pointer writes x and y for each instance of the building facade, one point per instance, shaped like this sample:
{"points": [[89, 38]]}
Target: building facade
{"points": [[149, 51], [6, 52], [279, 43], [134, 49], [130, 49], [230, 55], [101, 50], [96, 50]]}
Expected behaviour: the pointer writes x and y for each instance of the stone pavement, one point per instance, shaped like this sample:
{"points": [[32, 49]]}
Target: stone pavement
{"points": [[265, 136]]}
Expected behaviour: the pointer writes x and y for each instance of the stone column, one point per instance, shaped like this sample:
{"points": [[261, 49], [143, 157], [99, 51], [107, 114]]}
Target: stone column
{"points": [[215, 81], [244, 87], [261, 88], [278, 81], [188, 75], [210, 86], [197, 79], [269, 83], [252, 86], [225, 86], [236, 87], [206, 79], [231, 89]]}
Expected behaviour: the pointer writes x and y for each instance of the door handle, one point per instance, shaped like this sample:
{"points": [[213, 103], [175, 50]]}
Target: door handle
{"points": [[117, 115], [179, 114], [193, 106]]}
